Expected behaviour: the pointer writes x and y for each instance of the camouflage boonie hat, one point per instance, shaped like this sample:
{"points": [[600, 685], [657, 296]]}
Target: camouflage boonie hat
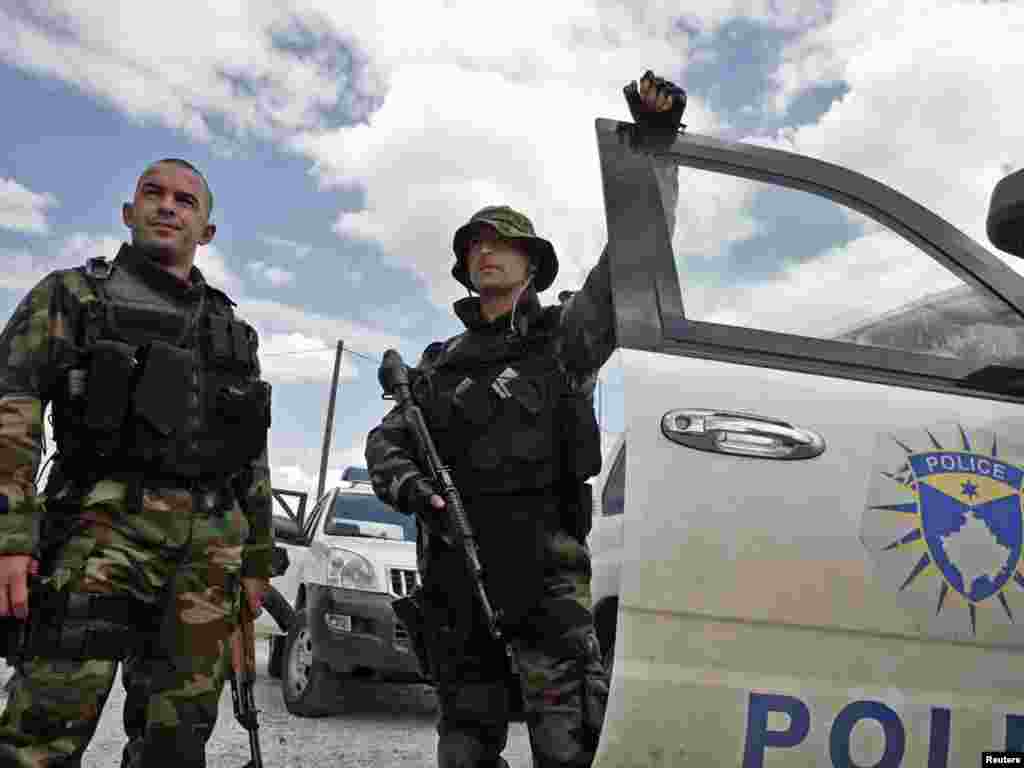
{"points": [[511, 225]]}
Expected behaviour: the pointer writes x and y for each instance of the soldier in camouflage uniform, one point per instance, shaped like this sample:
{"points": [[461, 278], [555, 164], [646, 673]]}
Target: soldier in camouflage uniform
{"points": [[158, 506], [509, 406]]}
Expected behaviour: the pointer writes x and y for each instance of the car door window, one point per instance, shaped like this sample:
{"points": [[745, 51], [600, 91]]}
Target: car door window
{"points": [[613, 500], [757, 255]]}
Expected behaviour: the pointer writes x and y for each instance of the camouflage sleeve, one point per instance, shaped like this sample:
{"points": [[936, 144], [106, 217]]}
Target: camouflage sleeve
{"points": [[587, 325], [31, 346], [258, 550], [391, 457]]}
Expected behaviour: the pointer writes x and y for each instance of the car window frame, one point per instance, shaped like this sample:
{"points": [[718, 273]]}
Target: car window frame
{"points": [[647, 293]]}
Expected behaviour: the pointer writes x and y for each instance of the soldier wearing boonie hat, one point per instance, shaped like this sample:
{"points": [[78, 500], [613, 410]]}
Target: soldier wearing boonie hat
{"points": [[509, 405], [510, 225]]}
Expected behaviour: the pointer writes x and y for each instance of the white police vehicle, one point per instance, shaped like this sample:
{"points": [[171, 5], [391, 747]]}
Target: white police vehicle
{"points": [[821, 539], [353, 556]]}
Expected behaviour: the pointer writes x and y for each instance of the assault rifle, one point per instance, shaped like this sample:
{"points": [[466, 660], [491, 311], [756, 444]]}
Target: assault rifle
{"points": [[394, 379], [243, 671]]}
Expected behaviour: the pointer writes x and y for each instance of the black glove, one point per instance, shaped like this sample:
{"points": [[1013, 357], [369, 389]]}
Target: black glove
{"points": [[414, 498], [662, 127]]}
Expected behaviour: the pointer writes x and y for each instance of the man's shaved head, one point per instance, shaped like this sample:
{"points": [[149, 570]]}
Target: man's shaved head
{"points": [[185, 164]]}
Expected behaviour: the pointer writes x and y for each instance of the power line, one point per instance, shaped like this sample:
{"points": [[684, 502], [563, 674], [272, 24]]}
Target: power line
{"points": [[346, 350]]}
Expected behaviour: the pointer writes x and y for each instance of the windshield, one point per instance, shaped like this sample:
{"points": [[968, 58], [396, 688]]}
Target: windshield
{"points": [[370, 509]]}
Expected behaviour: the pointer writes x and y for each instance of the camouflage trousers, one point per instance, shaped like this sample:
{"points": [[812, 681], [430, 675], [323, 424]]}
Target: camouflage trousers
{"points": [[562, 682], [168, 557]]}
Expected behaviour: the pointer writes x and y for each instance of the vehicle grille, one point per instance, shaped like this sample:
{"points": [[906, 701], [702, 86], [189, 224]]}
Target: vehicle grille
{"points": [[403, 580]]}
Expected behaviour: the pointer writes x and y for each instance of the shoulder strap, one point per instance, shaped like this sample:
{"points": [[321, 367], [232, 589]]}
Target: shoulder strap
{"points": [[96, 271]]}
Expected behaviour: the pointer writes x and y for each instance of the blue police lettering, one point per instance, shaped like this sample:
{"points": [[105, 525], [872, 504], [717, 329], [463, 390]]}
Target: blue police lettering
{"points": [[966, 462], [759, 738], [853, 713]]}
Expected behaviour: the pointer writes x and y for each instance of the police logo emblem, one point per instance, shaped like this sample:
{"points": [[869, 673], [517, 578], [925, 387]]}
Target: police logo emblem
{"points": [[944, 524]]}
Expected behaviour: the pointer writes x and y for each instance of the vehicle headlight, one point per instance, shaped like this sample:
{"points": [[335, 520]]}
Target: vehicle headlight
{"points": [[349, 569]]}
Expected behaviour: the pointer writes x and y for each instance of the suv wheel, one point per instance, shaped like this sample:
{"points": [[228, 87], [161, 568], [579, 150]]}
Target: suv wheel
{"points": [[309, 686]]}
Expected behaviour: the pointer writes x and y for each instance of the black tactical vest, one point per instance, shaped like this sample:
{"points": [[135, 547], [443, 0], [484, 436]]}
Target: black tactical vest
{"points": [[172, 395], [503, 414]]}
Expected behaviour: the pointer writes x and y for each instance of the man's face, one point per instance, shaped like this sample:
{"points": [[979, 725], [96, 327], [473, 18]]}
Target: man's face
{"points": [[495, 265], [169, 216]]}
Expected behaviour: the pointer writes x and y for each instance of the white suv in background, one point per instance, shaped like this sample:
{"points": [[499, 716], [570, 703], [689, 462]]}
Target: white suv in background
{"points": [[355, 555]]}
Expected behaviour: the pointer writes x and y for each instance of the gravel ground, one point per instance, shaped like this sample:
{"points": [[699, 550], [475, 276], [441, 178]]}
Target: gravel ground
{"points": [[377, 726]]}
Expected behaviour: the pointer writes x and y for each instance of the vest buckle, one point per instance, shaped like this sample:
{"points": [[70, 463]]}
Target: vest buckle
{"points": [[98, 268]]}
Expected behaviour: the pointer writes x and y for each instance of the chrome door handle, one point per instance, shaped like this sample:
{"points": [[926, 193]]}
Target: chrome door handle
{"points": [[742, 434]]}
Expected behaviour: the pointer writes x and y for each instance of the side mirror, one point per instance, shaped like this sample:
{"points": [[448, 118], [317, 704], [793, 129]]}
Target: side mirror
{"points": [[287, 531], [1005, 223]]}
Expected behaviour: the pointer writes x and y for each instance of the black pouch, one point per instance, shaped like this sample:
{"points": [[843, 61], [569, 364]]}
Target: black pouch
{"points": [[245, 406], [529, 392], [473, 399], [110, 383], [241, 418], [229, 343], [161, 397]]}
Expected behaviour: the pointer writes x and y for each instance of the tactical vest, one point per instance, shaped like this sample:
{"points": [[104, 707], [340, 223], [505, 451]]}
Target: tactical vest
{"points": [[168, 395], [504, 416]]}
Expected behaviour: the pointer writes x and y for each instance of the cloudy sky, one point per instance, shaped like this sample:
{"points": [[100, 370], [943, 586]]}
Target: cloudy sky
{"points": [[345, 143]]}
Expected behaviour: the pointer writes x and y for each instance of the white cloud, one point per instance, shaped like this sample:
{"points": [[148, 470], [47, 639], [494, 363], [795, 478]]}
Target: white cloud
{"points": [[297, 468], [932, 108], [274, 275], [298, 345], [466, 123], [288, 247], [842, 286], [23, 268], [713, 214], [23, 210], [263, 67], [461, 123]]}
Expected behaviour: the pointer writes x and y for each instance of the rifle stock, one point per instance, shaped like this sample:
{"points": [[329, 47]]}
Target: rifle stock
{"points": [[243, 673]]}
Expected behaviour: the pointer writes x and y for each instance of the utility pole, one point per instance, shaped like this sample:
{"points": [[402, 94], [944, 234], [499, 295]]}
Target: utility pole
{"points": [[329, 426]]}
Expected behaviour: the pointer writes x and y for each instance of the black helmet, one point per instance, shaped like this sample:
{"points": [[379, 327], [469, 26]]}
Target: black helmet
{"points": [[510, 225]]}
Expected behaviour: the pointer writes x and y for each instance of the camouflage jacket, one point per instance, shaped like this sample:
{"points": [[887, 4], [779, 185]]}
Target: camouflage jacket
{"points": [[34, 346]]}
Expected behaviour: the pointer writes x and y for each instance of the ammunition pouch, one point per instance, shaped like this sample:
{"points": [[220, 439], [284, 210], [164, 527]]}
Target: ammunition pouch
{"points": [[161, 396], [77, 625], [111, 380], [140, 409]]}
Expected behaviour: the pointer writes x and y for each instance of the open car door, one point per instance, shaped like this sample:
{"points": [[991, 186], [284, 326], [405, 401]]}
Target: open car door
{"points": [[823, 525]]}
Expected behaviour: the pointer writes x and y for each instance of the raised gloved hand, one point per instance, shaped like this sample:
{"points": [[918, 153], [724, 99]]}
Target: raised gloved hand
{"points": [[656, 105]]}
